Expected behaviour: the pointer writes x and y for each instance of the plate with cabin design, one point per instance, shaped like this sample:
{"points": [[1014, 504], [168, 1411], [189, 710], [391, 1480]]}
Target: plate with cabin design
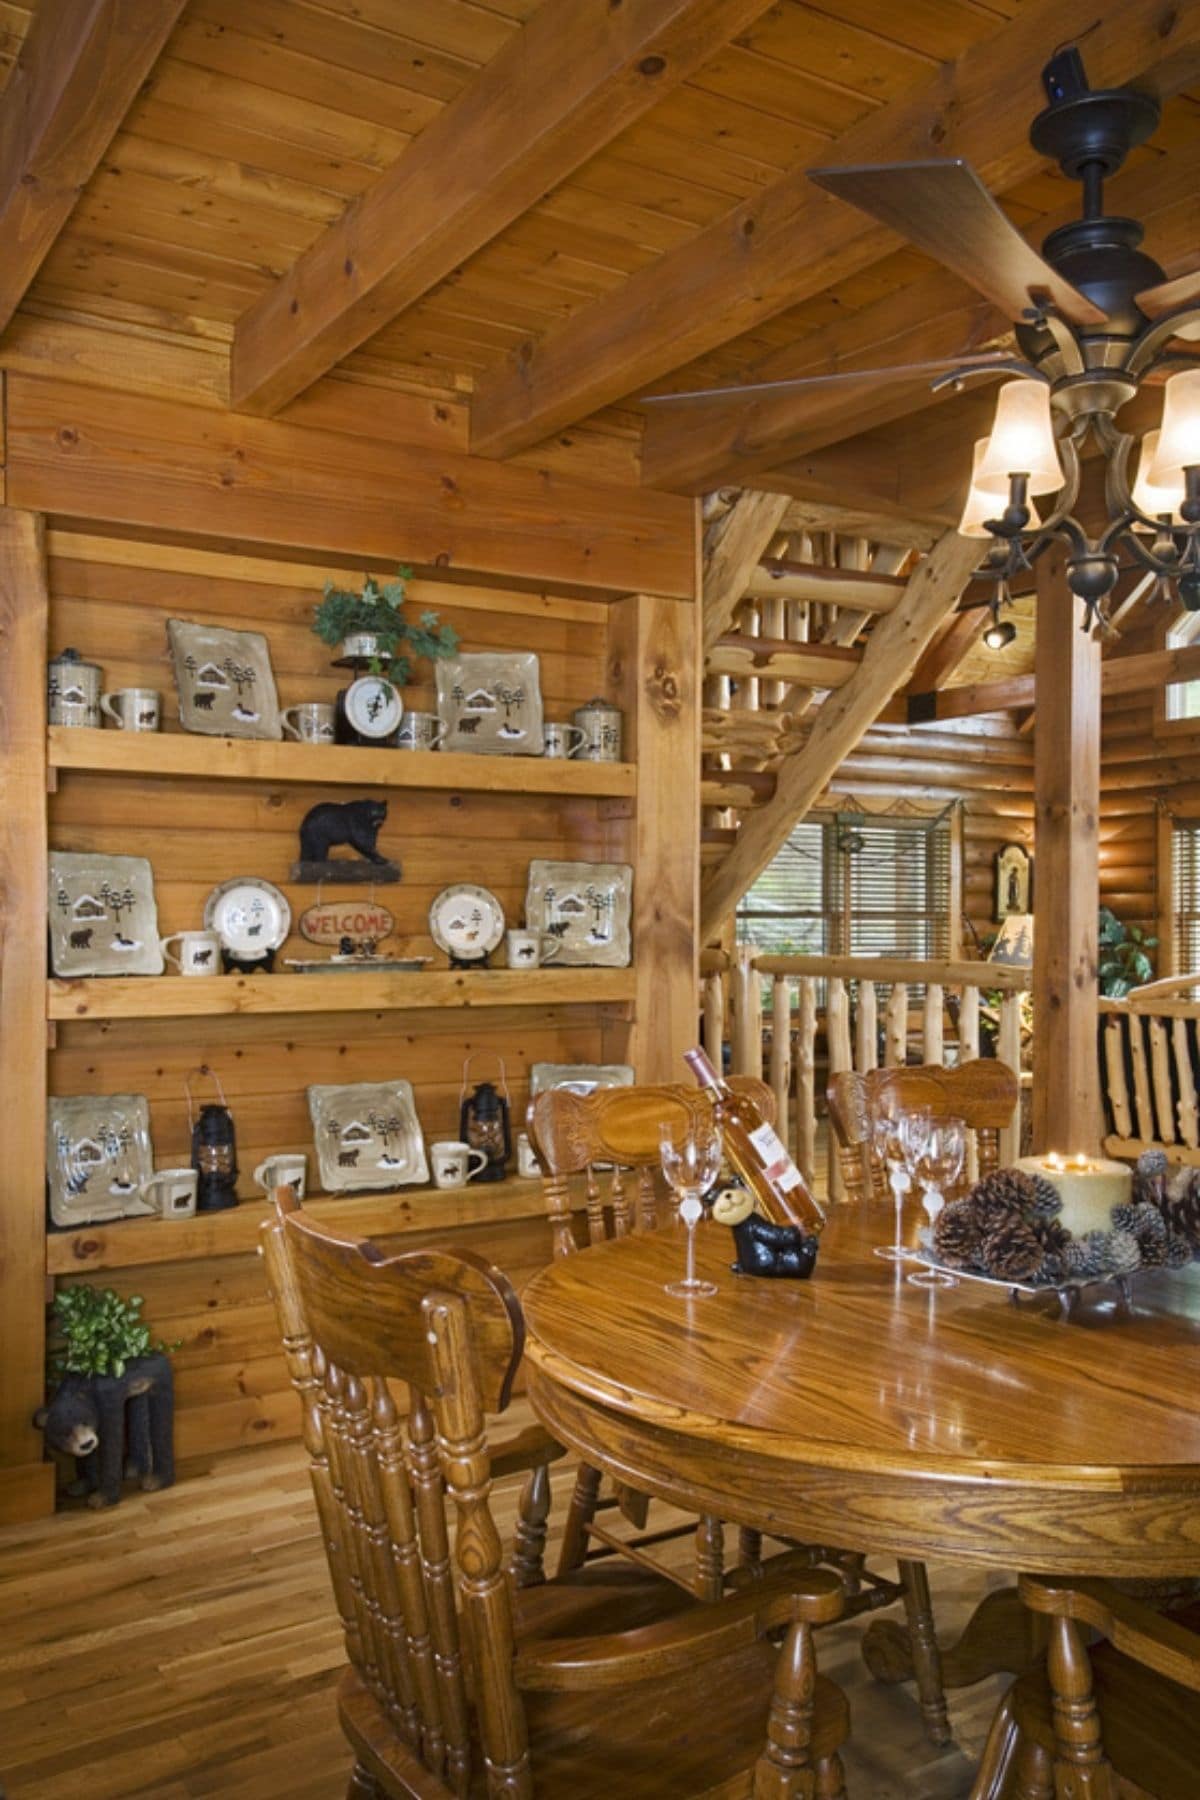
{"points": [[586, 907], [490, 704], [98, 1155], [225, 682], [103, 918], [579, 1078], [367, 1135], [465, 921]]}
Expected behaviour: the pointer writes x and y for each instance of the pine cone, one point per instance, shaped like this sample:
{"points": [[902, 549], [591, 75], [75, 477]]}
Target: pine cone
{"points": [[1012, 1252], [1052, 1269], [1154, 1251], [1182, 1213], [1122, 1253], [1046, 1201], [1000, 1197], [1178, 1252], [1149, 1176], [1052, 1236], [1083, 1257], [956, 1235]]}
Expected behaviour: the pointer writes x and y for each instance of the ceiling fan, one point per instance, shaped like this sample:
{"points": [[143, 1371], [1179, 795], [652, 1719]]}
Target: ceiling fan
{"points": [[1094, 318]]}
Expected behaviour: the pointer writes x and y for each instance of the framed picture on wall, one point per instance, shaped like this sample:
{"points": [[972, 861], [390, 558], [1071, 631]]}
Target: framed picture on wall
{"points": [[1014, 882]]}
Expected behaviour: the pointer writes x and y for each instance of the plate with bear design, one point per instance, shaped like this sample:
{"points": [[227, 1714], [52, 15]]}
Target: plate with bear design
{"points": [[466, 922], [249, 915]]}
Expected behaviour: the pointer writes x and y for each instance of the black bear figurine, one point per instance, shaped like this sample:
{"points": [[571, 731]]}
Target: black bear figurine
{"points": [[355, 823], [763, 1248], [87, 1420]]}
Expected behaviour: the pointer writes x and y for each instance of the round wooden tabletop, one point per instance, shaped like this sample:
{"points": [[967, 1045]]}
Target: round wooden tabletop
{"points": [[857, 1409]]}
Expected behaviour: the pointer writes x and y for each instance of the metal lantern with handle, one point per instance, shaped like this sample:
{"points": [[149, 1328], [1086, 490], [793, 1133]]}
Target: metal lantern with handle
{"points": [[214, 1147], [484, 1123]]}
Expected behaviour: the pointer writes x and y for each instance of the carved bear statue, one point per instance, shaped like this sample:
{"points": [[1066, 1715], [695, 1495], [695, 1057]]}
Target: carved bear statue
{"points": [[353, 822], [87, 1419]]}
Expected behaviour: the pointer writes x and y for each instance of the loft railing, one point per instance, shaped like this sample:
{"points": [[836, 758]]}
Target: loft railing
{"points": [[866, 1020], [1150, 1061]]}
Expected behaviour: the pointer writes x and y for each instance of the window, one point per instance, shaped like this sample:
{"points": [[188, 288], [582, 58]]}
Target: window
{"points": [[854, 885], [1183, 697], [1185, 858]]}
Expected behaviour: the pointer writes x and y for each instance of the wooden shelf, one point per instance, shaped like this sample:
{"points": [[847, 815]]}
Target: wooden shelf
{"points": [[180, 753], [193, 997], [135, 1243]]}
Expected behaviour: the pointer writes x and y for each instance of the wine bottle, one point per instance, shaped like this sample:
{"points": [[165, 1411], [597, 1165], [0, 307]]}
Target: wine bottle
{"points": [[757, 1151]]}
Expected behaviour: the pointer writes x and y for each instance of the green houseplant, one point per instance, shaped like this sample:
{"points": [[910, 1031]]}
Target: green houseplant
{"points": [[378, 612], [100, 1333], [1124, 962]]}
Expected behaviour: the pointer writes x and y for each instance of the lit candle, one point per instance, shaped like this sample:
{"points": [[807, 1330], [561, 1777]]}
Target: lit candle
{"points": [[1088, 1186]]}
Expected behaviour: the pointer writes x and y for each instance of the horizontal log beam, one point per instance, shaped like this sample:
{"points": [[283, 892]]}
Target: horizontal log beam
{"points": [[785, 580], [778, 659], [1118, 675], [87, 453]]}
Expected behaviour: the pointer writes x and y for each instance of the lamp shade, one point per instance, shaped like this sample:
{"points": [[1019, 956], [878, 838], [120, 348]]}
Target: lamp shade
{"points": [[982, 506], [1149, 498], [1179, 439], [1022, 441]]}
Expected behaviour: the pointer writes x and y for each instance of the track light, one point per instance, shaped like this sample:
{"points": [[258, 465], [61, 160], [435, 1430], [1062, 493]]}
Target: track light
{"points": [[1000, 633]]}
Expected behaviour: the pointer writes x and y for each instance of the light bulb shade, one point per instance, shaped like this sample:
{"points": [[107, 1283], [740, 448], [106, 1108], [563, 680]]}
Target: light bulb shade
{"points": [[1179, 439], [1000, 635], [982, 506], [1156, 502], [1022, 441]]}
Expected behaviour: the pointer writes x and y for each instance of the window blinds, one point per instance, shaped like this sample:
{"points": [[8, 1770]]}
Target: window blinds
{"points": [[1186, 861]]}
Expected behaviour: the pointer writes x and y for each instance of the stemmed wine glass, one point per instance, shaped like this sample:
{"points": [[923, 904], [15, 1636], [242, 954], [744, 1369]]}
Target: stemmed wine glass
{"points": [[899, 1138], [691, 1162], [938, 1167]]}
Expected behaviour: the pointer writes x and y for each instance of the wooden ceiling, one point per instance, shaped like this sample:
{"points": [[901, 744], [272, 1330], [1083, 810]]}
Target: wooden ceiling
{"points": [[607, 209]]}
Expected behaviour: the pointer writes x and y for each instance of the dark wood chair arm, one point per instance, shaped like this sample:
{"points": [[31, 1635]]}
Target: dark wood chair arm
{"points": [[1132, 1627], [671, 1646], [525, 1450]]}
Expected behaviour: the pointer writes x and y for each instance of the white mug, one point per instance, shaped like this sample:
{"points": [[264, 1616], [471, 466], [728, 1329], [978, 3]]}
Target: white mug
{"points": [[556, 738], [133, 709], [286, 1169], [524, 949], [420, 731], [528, 1166], [314, 722], [200, 952], [172, 1192], [451, 1162]]}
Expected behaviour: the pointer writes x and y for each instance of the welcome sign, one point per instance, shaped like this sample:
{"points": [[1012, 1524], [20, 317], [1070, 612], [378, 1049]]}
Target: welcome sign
{"points": [[329, 921]]}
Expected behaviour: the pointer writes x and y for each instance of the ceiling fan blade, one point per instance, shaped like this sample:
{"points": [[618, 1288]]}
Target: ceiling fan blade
{"points": [[847, 383], [1157, 301], [944, 209]]}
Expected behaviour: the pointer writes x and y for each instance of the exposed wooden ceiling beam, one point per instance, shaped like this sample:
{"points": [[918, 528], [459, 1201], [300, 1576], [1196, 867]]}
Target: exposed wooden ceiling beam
{"points": [[959, 635], [691, 449], [890, 533], [792, 241], [778, 659], [746, 533], [76, 76], [862, 589], [889, 656], [564, 86], [1118, 675]]}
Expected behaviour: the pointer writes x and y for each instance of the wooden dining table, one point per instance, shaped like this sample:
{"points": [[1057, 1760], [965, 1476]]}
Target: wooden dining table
{"points": [[855, 1409]]}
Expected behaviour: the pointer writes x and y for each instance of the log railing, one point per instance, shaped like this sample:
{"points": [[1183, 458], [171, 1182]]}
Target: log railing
{"points": [[1150, 1062], [862, 1025]]}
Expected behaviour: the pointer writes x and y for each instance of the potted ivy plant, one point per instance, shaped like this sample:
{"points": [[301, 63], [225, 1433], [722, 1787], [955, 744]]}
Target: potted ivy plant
{"points": [[370, 626], [1124, 962]]}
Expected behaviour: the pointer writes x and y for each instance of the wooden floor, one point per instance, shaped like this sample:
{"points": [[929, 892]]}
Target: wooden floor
{"points": [[183, 1645]]}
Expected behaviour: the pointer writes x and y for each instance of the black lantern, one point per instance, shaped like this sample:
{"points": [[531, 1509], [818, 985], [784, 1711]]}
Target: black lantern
{"points": [[483, 1123], [214, 1148]]}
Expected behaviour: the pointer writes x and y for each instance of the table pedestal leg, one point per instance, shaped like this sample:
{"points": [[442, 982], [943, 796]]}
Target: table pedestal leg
{"points": [[1000, 1637]]}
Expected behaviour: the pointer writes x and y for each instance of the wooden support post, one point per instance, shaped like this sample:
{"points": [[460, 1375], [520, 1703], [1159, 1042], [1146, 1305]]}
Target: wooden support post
{"points": [[654, 672], [1066, 1087], [26, 1482]]}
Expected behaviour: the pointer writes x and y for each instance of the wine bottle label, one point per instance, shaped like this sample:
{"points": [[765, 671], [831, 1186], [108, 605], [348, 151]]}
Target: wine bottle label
{"points": [[778, 1166]]}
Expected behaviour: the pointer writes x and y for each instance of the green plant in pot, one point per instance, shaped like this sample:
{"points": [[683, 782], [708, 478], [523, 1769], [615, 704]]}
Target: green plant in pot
{"points": [[1124, 959], [370, 627], [98, 1333]]}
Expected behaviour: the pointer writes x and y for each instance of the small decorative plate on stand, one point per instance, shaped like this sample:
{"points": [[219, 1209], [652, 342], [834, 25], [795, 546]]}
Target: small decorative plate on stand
{"points": [[373, 706], [251, 917], [466, 922]]}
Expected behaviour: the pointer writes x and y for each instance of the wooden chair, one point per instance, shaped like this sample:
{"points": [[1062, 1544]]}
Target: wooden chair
{"points": [[605, 1681], [982, 1093], [618, 1129], [1119, 1721]]}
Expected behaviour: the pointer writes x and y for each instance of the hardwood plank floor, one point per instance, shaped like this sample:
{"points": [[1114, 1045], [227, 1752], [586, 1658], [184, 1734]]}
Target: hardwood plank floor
{"points": [[183, 1645]]}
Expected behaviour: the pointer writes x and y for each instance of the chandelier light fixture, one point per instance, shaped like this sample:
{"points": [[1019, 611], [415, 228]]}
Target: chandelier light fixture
{"points": [[1094, 320]]}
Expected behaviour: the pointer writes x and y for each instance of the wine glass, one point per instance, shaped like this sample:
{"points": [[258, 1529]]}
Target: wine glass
{"points": [[939, 1166], [898, 1137], [691, 1160]]}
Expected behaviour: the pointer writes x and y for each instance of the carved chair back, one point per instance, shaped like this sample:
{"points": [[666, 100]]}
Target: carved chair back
{"points": [[982, 1093], [451, 1329], [615, 1129]]}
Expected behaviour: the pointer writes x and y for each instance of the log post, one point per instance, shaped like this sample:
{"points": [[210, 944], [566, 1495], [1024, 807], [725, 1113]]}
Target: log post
{"points": [[1066, 1098]]}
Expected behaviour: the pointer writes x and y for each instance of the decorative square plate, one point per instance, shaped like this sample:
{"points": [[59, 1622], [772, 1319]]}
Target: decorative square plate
{"points": [[580, 1078], [98, 1154], [367, 1135], [224, 680], [103, 919], [490, 703], [586, 907]]}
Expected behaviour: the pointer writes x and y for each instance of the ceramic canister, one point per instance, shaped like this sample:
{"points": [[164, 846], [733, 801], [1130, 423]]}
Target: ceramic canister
{"points": [[73, 690], [602, 723]]}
